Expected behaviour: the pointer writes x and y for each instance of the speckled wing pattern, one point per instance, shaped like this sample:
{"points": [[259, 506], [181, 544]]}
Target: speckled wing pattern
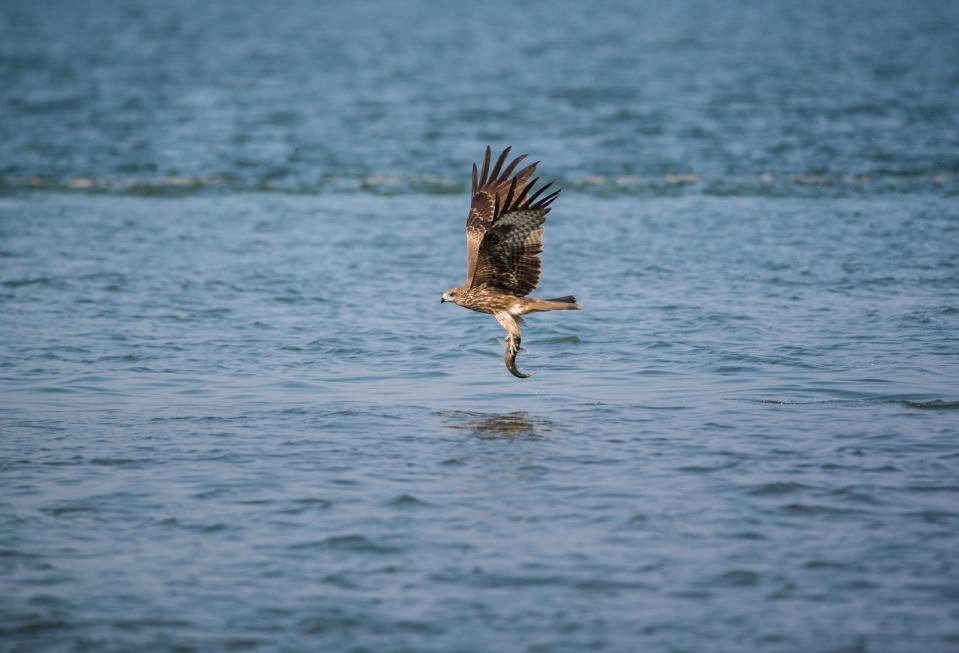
{"points": [[509, 256], [504, 229], [488, 191]]}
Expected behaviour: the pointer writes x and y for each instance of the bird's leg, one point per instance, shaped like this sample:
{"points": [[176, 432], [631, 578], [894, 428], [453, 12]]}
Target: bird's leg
{"points": [[512, 348], [512, 324]]}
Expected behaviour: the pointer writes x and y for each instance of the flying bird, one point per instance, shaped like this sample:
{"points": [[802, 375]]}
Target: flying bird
{"points": [[504, 236]]}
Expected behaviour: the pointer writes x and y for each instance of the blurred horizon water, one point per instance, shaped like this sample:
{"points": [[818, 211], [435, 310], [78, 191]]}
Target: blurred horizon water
{"points": [[740, 98], [234, 416]]}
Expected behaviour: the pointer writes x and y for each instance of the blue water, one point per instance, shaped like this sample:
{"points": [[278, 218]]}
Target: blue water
{"points": [[234, 416]]}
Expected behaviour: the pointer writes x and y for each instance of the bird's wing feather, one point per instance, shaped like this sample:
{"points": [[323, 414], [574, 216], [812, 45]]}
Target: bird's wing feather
{"points": [[490, 198], [508, 258]]}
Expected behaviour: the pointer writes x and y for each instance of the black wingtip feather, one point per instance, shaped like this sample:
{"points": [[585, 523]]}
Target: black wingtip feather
{"points": [[546, 201], [539, 191], [512, 166], [512, 201], [528, 170], [499, 163], [522, 196], [486, 159], [509, 196]]}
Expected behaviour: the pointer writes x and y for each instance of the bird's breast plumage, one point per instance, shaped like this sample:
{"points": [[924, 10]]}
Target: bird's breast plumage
{"points": [[487, 300]]}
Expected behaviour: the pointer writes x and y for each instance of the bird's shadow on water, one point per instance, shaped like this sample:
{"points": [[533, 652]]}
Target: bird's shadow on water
{"points": [[500, 426]]}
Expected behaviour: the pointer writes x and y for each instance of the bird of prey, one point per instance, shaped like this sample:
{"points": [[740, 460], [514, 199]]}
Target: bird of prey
{"points": [[504, 236]]}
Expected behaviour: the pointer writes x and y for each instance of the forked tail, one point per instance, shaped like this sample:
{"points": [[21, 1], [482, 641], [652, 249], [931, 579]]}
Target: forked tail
{"points": [[566, 303]]}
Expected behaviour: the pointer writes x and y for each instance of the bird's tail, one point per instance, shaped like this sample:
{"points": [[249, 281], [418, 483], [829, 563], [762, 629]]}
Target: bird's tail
{"points": [[567, 303]]}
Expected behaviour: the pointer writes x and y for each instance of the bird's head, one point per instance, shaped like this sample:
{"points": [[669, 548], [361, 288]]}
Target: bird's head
{"points": [[451, 295]]}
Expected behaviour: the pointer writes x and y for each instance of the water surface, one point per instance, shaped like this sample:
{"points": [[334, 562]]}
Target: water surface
{"points": [[235, 416]]}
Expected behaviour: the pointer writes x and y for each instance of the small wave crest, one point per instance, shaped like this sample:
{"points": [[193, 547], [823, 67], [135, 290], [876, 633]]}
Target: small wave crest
{"points": [[664, 184]]}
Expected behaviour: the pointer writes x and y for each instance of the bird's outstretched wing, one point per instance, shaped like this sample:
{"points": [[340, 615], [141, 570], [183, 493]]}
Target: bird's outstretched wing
{"points": [[509, 254], [504, 227], [488, 192]]}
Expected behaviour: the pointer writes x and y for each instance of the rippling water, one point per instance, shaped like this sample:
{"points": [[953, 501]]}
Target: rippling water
{"points": [[235, 416]]}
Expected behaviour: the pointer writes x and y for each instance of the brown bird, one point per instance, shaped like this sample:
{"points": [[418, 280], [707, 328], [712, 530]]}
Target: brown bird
{"points": [[504, 236]]}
